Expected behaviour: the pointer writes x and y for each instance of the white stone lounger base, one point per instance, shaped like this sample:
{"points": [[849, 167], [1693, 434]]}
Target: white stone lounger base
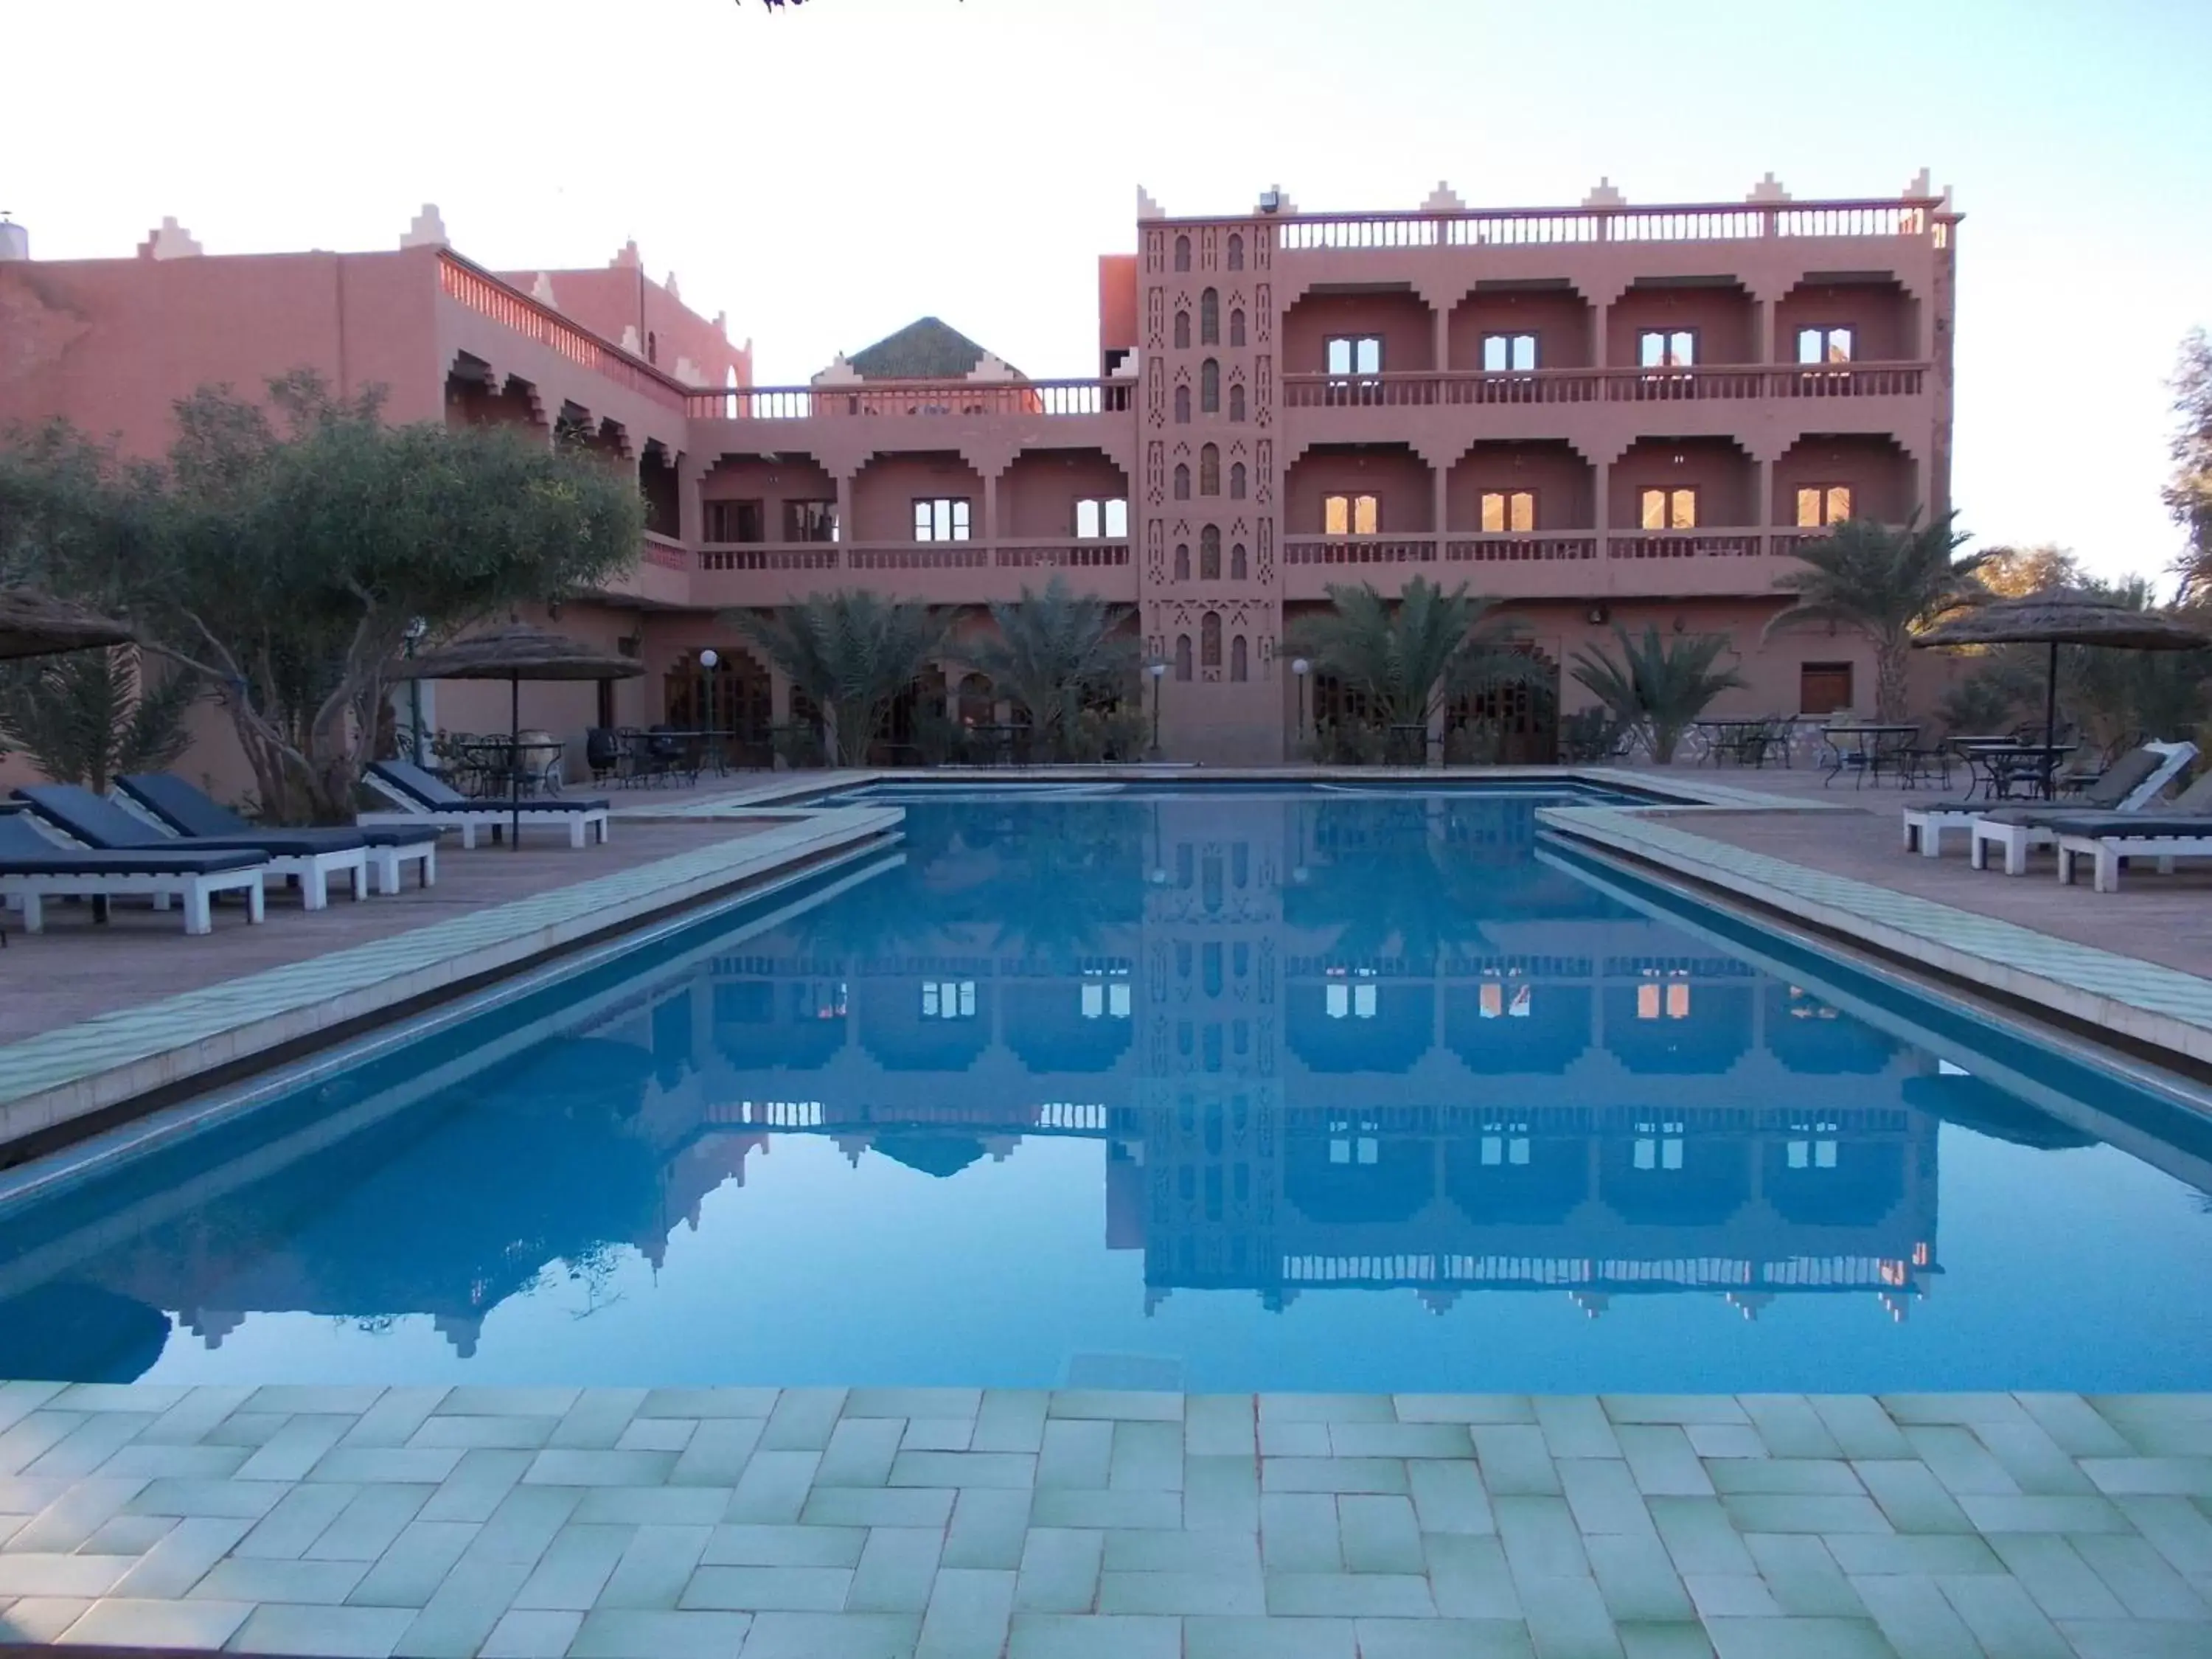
{"points": [[386, 862], [196, 890], [313, 870], [1925, 829], [2016, 839], [579, 822]]}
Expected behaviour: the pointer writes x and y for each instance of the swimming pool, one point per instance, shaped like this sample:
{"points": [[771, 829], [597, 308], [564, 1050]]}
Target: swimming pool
{"points": [[1213, 1089]]}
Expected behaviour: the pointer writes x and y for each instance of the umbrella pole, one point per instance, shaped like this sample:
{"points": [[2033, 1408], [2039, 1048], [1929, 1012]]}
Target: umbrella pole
{"points": [[514, 761], [2050, 718]]}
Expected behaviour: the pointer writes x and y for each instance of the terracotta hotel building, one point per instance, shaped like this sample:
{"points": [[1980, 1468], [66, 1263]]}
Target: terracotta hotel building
{"points": [[1598, 414]]}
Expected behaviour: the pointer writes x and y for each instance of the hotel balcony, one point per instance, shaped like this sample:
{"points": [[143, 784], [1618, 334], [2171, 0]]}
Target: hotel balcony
{"points": [[733, 575], [1716, 564]]}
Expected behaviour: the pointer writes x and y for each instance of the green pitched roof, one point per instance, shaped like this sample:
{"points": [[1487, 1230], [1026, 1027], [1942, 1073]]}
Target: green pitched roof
{"points": [[923, 350]]}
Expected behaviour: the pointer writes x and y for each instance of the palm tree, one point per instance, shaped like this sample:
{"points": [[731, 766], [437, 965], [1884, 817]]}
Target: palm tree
{"points": [[1662, 684], [852, 652], [1412, 658], [1054, 651], [1886, 584]]}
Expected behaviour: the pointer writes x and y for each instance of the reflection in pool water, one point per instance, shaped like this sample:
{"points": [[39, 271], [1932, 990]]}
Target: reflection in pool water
{"points": [[1209, 1090]]}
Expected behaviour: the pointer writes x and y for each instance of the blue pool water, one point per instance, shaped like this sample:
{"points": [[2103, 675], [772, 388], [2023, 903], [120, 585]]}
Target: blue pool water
{"points": [[1214, 1090]]}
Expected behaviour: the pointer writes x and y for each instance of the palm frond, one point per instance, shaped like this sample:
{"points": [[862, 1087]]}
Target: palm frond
{"points": [[1660, 683]]}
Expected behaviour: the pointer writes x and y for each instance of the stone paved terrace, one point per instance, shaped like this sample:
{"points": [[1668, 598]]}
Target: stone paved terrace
{"points": [[74, 969], [884, 1524]]}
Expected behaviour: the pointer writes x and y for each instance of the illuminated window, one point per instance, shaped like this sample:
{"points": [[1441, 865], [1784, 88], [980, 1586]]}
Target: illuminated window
{"points": [[1106, 996], [948, 999], [1362, 1149], [1658, 999], [1667, 348], [1813, 1154], [1669, 509], [1505, 353], [1355, 354], [1658, 1146], [1350, 998], [1823, 504], [1108, 519], [1351, 515], [1209, 318], [1509, 1149], [1508, 509], [1824, 345], [1497, 1004], [941, 519]]}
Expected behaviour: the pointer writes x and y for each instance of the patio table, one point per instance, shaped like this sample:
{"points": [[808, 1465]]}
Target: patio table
{"points": [[1866, 748], [2001, 766]]}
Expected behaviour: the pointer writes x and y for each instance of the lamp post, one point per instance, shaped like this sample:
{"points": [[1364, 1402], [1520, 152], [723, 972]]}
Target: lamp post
{"points": [[708, 660], [416, 630], [1300, 668], [1158, 670]]}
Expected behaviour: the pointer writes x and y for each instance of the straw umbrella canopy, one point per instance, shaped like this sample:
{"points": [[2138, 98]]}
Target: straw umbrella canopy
{"points": [[36, 624], [516, 653], [2065, 616]]}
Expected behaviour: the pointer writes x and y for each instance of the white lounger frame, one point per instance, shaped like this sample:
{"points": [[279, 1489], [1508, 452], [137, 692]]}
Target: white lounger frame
{"points": [[2105, 852], [197, 891], [581, 820], [313, 871], [2018, 840]]}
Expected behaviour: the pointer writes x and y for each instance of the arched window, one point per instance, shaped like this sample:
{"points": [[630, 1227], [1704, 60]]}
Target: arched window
{"points": [[1236, 402], [1182, 405], [1209, 470], [1209, 318], [1237, 481], [1236, 251], [1209, 553], [1183, 561], [1181, 482], [1182, 656], [1236, 326], [1239, 668], [1237, 563], [1182, 253], [1209, 386], [1209, 640], [1183, 329]]}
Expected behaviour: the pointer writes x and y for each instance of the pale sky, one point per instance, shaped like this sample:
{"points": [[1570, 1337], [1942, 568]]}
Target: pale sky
{"points": [[829, 172]]}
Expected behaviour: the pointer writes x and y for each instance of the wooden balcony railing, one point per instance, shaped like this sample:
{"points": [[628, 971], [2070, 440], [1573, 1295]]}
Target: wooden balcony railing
{"points": [[1043, 398], [1421, 388], [1913, 218], [480, 291], [1520, 548]]}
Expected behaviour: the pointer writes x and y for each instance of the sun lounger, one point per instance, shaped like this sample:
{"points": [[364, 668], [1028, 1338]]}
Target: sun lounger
{"points": [[84, 816], [33, 868], [189, 812], [2017, 829], [425, 800], [2105, 841], [2133, 781]]}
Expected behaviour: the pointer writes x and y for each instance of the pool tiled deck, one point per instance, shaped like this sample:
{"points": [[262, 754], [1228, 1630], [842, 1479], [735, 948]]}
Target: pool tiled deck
{"points": [[885, 1523]]}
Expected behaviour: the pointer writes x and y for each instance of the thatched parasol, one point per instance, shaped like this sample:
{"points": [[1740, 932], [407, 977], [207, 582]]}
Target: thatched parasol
{"points": [[36, 624], [2065, 616], [516, 653]]}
